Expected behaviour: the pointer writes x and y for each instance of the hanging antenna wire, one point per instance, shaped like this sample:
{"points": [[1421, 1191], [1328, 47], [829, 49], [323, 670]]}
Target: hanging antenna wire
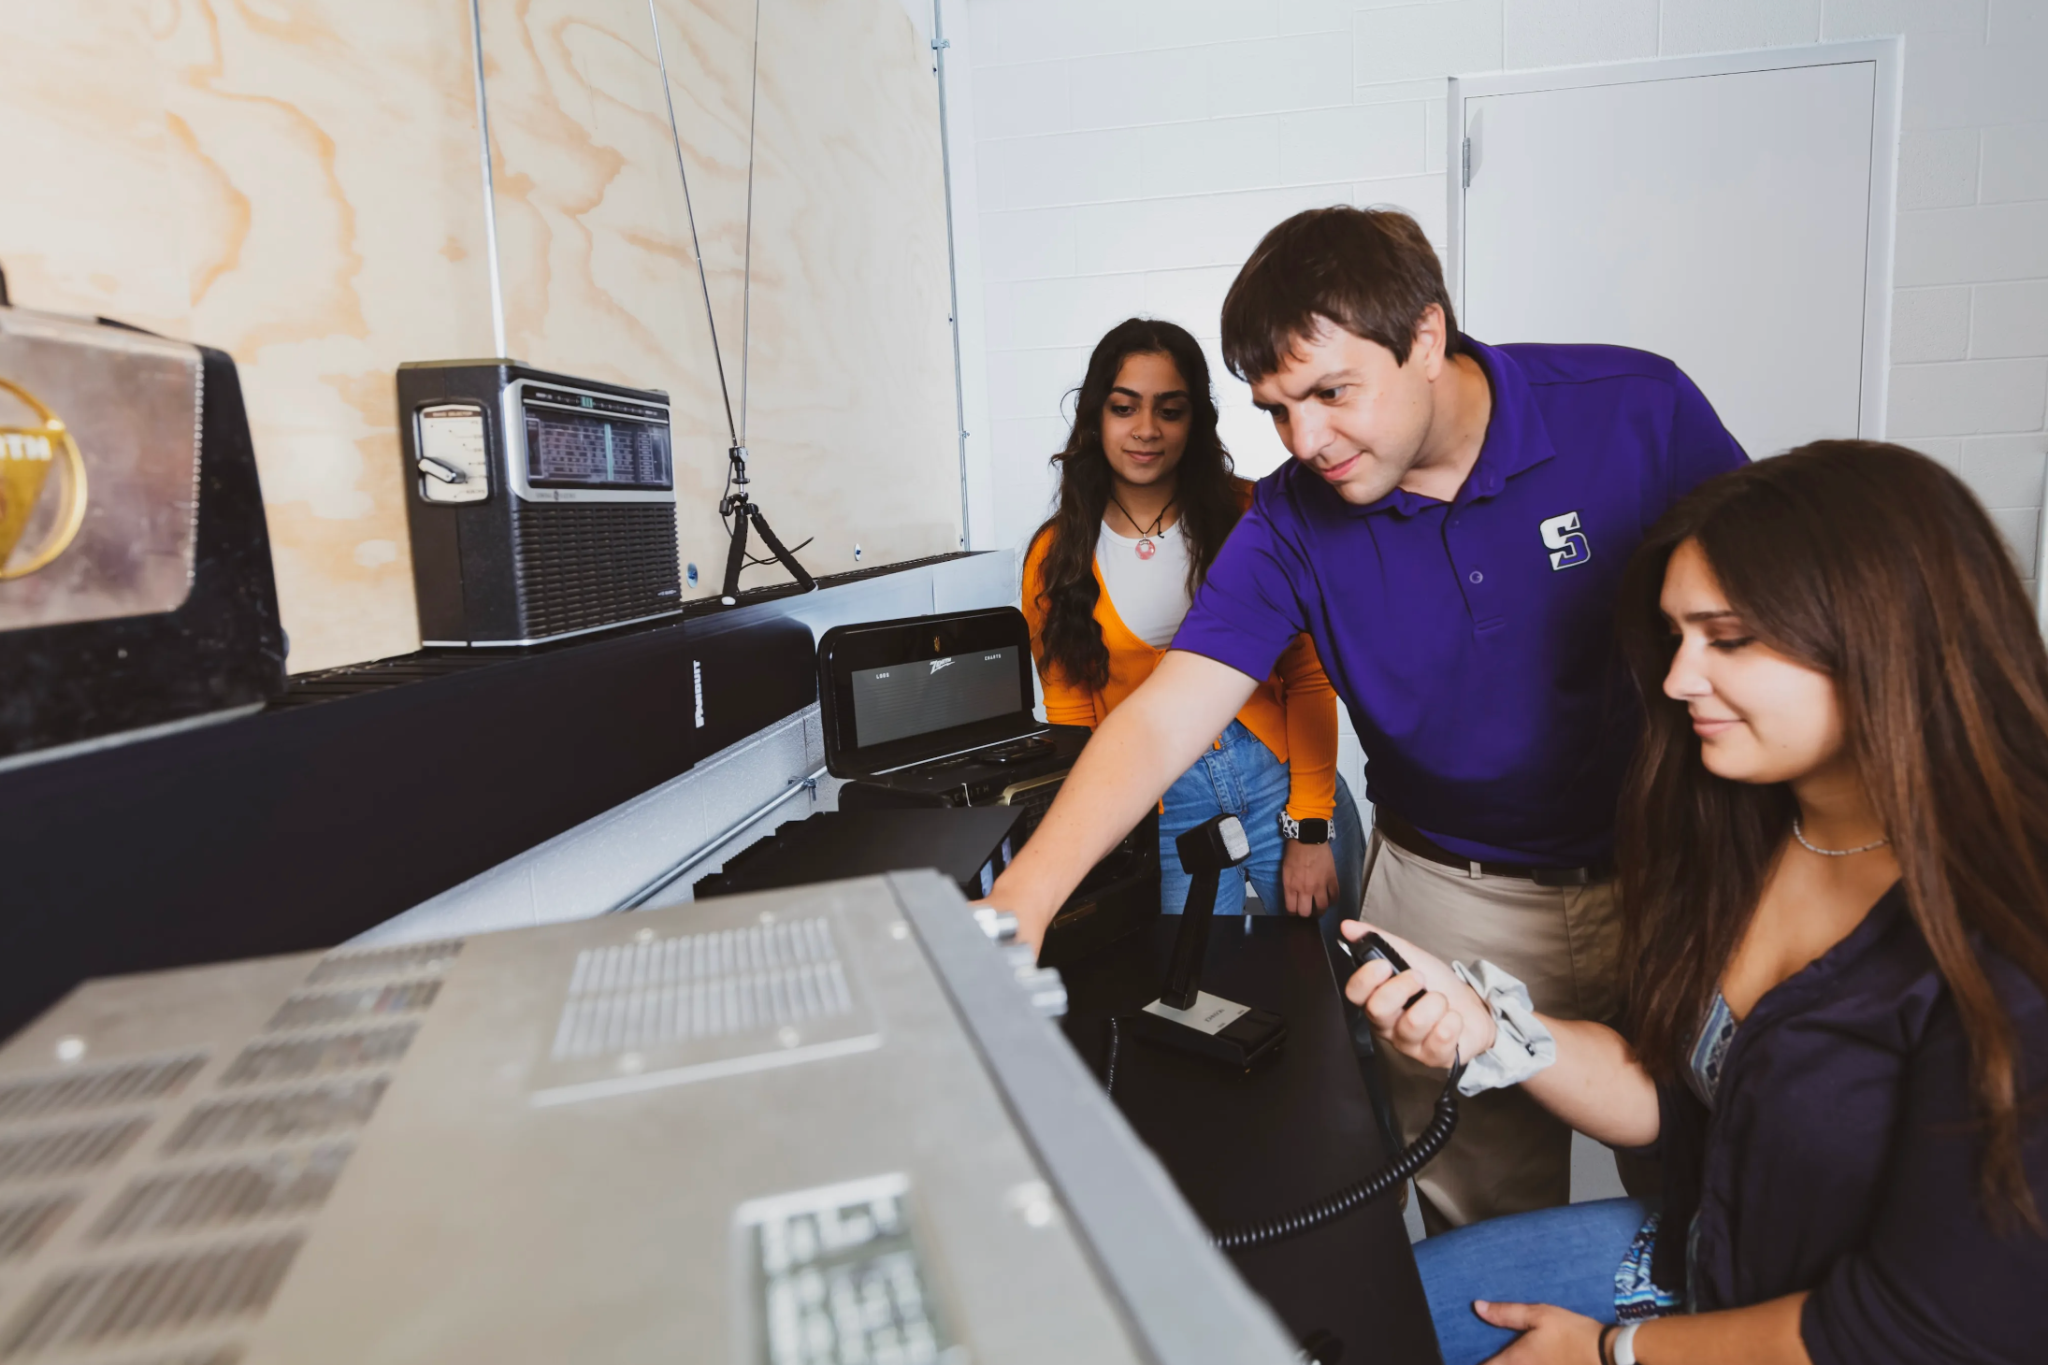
{"points": [[736, 509], [483, 137], [696, 248], [747, 276]]}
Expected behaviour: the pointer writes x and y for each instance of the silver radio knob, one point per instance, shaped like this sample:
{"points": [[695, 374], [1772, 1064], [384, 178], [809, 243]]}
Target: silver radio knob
{"points": [[999, 925], [1047, 992]]}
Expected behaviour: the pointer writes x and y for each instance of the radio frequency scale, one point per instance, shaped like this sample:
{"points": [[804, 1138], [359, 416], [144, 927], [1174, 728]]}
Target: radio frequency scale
{"points": [[541, 506]]}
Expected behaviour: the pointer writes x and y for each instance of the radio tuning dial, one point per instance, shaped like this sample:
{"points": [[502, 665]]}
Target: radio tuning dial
{"points": [[454, 458]]}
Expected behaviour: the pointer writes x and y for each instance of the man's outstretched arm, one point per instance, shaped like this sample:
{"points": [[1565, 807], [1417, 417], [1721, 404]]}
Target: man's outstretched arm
{"points": [[1129, 763]]}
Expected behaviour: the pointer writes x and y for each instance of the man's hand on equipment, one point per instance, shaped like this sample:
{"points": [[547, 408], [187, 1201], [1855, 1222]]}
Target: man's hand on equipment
{"points": [[1308, 877], [1134, 756], [1031, 924]]}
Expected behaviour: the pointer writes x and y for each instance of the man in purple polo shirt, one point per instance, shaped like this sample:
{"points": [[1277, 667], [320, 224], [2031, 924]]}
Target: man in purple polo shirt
{"points": [[1451, 532]]}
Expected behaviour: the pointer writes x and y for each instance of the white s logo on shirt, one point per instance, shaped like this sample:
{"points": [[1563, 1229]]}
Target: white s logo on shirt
{"points": [[1567, 543]]}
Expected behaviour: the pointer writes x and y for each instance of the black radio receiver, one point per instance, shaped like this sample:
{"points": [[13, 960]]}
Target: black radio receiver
{"points": [[540, 505]]}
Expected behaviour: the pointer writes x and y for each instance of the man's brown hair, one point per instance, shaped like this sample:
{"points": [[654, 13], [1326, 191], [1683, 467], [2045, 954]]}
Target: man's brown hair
{"points": [[1369, 271]]}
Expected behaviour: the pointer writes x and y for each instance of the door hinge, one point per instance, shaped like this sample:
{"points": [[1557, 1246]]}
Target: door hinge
{"points": [[1468, 163], [940, 44]]}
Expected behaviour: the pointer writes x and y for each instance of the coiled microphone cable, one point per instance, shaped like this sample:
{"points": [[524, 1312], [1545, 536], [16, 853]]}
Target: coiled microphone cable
{"points": [[1351, 1198], [1413, 1158]]}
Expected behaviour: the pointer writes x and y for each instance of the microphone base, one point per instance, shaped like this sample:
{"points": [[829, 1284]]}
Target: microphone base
{"points": [[1224, 1031]]}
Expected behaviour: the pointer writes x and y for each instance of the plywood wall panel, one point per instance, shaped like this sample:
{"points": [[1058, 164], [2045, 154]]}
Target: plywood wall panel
{"points": [[844, 380], [709, 46], [88, 197], [334, 206], [853, 424], [297, 181]]}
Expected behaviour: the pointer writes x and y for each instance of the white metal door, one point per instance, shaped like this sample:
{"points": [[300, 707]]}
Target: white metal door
{"points": [[1731, 213]]}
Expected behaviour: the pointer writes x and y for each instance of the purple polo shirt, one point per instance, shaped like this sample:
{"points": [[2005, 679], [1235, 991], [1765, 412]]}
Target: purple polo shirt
{"points": [[1473, 640]]}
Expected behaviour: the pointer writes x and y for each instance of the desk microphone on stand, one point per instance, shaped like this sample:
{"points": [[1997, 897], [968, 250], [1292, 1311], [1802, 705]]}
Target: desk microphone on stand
{"points": [[1185, 1016]]}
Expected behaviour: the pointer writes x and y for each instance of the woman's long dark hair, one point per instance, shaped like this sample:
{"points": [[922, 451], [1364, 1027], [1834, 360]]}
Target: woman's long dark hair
{"points": [[1876, 566], [1204, 494]]}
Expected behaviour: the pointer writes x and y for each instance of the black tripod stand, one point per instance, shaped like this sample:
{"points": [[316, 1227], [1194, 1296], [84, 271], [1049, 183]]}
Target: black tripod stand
{"points": [[737, 505]]}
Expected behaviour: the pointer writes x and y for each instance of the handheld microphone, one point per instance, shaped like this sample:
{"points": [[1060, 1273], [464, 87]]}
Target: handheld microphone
{"points": [[1374, 948]]}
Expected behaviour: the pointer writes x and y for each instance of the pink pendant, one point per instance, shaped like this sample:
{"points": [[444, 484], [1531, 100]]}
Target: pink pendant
{"points": [[1146, 549]]}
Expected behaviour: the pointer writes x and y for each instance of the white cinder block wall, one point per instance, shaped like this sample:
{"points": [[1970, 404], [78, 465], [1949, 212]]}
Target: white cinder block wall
{"points": [[1127, 154]]}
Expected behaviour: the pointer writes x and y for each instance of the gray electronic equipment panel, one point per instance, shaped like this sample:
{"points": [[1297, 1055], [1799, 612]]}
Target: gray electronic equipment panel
{"points": [[817, 1125]]}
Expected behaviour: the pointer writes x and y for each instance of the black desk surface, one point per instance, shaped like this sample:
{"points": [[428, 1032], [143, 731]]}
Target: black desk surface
{"points": [[1248, 1147]]}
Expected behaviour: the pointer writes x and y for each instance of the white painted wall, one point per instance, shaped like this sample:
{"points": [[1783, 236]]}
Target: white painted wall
{"points": [[1127, 154], [1675, 203]]}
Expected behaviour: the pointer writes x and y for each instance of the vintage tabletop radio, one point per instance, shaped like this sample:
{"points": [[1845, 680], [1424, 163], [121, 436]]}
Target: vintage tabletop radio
{"points": [[541, 506], [135, 582]]}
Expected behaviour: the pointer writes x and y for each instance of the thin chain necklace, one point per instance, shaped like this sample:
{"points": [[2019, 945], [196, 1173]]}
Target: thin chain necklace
{"points": [[1800, 835], [1145, 546]]}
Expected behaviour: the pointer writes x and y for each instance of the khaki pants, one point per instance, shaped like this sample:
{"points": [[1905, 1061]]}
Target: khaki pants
{"points": [[1509, 1155]]}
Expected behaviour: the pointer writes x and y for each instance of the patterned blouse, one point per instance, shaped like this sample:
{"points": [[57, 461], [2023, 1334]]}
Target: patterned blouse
{"points": [[1636, 1295]]}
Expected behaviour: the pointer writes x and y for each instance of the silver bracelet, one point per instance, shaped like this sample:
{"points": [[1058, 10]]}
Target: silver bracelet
{"points": [[1522, 1046]]}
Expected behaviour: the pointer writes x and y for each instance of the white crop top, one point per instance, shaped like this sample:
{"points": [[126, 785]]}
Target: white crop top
{"points": [[1150, 595]]}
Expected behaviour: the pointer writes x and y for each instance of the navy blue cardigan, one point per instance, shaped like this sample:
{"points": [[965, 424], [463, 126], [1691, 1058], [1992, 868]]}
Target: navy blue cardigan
{"points": [[1840, 1158]]}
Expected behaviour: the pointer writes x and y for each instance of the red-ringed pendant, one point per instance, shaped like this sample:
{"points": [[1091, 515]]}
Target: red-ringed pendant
{"points": [[1146, 549]]}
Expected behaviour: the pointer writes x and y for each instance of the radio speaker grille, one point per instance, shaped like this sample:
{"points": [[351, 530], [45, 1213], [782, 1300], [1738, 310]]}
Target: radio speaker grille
{"points": [[589, 564]]}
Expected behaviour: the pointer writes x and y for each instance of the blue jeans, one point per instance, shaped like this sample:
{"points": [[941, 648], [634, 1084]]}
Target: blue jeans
{"points": [[1242, 778], [1564, 1256]]}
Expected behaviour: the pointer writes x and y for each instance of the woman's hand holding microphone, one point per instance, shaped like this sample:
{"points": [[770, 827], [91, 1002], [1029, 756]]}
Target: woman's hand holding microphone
{"points": [[1424, 1012]]}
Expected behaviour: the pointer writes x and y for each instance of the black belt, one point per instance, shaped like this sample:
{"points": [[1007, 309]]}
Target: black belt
{"points": [[1397, 831]]}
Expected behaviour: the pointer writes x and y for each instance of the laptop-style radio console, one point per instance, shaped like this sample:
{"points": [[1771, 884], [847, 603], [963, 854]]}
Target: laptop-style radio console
{"points": [[540, 505], [937, 711]]}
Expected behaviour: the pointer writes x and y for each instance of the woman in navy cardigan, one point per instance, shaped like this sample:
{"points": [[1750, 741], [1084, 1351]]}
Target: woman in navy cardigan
{"points": [[1834, 861]]}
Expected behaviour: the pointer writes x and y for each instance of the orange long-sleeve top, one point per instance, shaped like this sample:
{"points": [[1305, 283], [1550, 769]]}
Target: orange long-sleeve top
{"points": [[1293, 712]]}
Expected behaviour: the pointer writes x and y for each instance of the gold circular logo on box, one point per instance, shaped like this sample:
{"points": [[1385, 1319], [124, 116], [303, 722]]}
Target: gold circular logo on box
{"points": [[29, 455]]}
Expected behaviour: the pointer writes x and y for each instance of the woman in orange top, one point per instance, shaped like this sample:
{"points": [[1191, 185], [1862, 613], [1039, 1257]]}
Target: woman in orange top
{"points": [[1147, 497]]}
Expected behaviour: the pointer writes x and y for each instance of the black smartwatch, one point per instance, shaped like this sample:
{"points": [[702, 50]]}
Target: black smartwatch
{"points": [[1304, 831]]}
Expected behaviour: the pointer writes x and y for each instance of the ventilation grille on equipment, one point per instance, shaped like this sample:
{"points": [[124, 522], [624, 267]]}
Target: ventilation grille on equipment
{"points": [[411, 959], [25, 1224], [288, 1061], [262, 1187], [177, 1266], [111, 1302], [97, 1087], [340, 1007], [67, 1151], [279, 1117], [639, 995], [203, 1355], [585, 564]]}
